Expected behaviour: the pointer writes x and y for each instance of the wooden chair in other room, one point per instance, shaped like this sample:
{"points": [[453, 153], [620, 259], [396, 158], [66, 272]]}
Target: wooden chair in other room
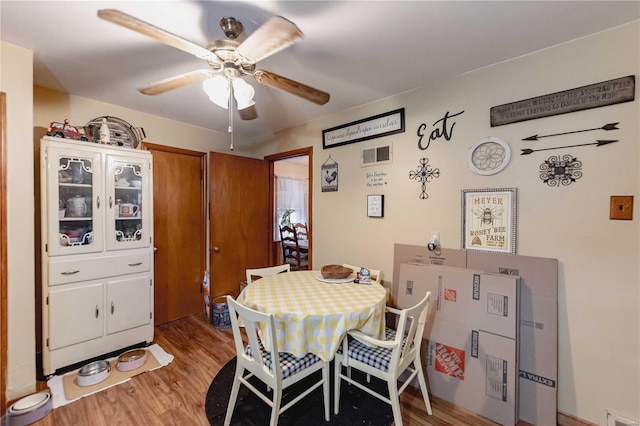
{"points": [[291, 252], [263, 272], [301, 231], [258, 363], [386, 359]]}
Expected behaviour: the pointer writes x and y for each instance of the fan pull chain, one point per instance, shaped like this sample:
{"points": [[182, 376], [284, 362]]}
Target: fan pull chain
{"points": [[230, 129]]}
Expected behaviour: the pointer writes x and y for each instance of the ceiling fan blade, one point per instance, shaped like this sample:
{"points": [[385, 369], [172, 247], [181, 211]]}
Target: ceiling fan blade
{"points": [[135, 24], [177, 81], [277, 81], [248, 113], [273, 36]]}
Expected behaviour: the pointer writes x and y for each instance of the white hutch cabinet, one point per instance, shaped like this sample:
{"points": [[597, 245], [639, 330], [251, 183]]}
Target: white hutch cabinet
{"points": [[96, 250]]}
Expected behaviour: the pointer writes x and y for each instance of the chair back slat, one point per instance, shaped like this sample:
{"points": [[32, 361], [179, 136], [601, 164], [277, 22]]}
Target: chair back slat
{"points": [[252, 320], [411, 328], [264, 272], [376, 274]]}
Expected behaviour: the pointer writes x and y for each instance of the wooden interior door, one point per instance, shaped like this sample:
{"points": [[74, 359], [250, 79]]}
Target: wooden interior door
{"points": [[239, 220], [179, 220], [3, 253]]}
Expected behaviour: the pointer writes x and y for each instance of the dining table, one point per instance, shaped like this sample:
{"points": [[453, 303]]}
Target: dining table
{"points": [[312, 314]]}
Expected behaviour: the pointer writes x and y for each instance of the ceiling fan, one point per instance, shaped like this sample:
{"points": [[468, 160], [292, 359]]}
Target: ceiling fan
{"points": [[228, 61]]}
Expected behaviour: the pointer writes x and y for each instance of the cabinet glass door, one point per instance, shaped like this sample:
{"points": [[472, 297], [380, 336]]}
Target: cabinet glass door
{"points": [[74, 203], [128, 192]]}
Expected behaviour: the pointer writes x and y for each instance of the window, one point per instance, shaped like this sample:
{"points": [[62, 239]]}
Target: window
{"points": [[291, 202]]}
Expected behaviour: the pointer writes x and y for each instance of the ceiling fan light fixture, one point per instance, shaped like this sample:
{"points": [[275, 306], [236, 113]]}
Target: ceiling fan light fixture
{"points": [[243, 92], [217, 88]]}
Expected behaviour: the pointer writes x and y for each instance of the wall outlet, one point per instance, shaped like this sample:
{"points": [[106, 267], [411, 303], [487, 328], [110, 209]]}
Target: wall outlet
{"points": [[435, 238]]}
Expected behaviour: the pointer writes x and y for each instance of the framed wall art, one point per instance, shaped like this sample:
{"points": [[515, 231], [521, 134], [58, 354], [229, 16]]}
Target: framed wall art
{"points": [[329, 175], [388, 123], [489, 220], [375, 205]]}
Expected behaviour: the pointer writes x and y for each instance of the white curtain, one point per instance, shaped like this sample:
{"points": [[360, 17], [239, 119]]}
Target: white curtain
{"points": [[291, 195]]}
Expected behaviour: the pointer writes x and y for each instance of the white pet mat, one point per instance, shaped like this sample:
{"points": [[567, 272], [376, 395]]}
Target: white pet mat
{"points": [[56, 383]]}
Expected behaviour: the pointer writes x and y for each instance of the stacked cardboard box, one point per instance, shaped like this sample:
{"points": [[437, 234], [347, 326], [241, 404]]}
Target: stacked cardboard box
{"points": [[538, 360], [472, 333]]}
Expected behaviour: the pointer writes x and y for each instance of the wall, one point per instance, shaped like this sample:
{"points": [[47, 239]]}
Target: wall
{"points": [[599, 326], [29, 111], [50, 105], [16, 79]]}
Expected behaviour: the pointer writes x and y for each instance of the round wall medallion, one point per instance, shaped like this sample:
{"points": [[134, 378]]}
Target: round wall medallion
{"points": [[489, 156]]}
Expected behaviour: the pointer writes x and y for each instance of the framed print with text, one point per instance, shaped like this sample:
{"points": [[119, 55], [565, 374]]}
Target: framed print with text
{"points": [[375, 205], [388, 123], [489, 220]]}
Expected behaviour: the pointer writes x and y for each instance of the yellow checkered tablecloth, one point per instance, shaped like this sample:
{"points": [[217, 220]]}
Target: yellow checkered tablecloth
{"points": [[313, 316]]}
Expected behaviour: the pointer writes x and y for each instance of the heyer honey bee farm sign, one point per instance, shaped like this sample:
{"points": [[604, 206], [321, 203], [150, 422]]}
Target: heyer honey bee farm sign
{"points": [[489, 220]]}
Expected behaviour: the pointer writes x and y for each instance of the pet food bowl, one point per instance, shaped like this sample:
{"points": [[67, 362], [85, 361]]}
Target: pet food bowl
{"points": [[131, 360], [29, 409], [93, 373]]}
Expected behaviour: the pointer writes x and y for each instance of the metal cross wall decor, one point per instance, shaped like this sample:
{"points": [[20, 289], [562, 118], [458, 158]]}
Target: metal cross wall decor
{"points": [[424, 173]]}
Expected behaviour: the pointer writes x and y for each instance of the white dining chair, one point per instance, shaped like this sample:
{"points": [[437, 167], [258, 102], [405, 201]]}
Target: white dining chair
{"points": [[263, 272], [258, 362], [386, 359], [376, 275]]}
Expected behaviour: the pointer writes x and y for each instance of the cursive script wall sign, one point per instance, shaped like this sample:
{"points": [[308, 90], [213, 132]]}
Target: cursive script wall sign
{"points": [[386, 124], [586, 97], [441, 129]]}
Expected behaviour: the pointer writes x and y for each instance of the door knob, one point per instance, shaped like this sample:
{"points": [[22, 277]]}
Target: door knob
{"points": [[216, 249]]}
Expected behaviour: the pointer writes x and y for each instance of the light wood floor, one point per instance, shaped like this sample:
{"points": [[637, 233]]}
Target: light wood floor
{"points": [[175, 394]]}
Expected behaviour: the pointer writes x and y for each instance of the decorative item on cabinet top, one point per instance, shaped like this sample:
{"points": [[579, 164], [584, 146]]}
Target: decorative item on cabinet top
{"points": [[121, 133]]}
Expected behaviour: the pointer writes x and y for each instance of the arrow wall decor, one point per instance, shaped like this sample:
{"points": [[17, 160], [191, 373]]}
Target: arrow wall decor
{"points": [[610, 126], [528, 151]]}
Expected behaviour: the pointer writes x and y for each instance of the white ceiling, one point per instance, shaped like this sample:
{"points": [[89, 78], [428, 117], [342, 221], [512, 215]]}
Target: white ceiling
{"points": [[358, 51]]}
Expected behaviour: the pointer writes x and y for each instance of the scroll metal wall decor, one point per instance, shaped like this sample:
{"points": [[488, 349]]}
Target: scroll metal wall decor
{"points": [[386, 124], [586, 97]]}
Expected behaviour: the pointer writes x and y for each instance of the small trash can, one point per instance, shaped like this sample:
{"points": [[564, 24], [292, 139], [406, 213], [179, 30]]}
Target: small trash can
{"points": [[221, 317]]}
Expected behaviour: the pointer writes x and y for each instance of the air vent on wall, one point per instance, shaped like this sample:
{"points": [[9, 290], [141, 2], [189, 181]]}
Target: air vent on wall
{"points": [[377, 155]]}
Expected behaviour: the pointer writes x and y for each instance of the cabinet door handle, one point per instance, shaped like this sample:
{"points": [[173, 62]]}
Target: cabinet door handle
{"points": [[135, 264], [97, 311], [110, 201], [98, 201], [112, 308], [69, 272]]}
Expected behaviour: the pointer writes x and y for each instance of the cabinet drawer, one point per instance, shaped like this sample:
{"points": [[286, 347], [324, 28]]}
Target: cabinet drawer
{"points": [[65, 272]]}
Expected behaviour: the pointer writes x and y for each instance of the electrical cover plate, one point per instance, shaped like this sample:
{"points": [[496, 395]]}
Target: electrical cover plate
{"points": [[621, 207]]}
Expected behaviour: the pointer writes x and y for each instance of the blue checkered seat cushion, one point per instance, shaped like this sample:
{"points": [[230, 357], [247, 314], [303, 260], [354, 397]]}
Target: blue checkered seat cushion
{"points": [[379, 358], [289, 364]]}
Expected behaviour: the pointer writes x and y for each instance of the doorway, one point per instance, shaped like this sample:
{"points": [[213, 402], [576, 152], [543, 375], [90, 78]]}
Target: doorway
{"points": [[290, 172]]}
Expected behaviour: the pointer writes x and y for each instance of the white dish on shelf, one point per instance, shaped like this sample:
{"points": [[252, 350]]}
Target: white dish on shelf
{"points": [[350, 278]]}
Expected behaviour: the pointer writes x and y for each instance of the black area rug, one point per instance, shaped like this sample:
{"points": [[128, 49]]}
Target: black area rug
{"points": [[356, 407]]}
